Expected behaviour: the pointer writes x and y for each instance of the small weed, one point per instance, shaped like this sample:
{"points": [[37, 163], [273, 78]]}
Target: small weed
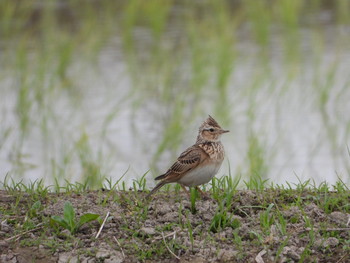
{"points": [[310, 226], [109, 185], [301, 187], [305, 254], [281, 223], [224, 187], [180, 213], [69, 222], [140, 184], [190, 231], [34, 209], [257, 237], [223, 219], [123, 188], [177, 189], [280, 248], [218, 222], [237, 239], [267, 218], [37, 189], [11, 186], [76, 187], [193, 198], [256, 183]]}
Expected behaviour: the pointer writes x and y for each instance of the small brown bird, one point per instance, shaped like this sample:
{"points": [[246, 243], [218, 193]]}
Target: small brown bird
{"points": [[199, 163]]}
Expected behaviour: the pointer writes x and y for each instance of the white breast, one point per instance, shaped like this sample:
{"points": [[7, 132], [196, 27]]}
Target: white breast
{"points": [[200, 175]]}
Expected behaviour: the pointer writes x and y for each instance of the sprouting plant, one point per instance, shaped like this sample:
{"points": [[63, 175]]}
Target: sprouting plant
{"points": [[282, 245], [256, 182], [257, 236], [75, 187], [219, 221], [309, 224], [190, 230], [177, 189], [267, 218], [237, 240], [181, 223], [223, 219], [34, 209], [68, 221], [282, 223], [302, 186], [224, 187], [36, 189], [109, 185], [123, 186], [193, 198], [214, 187], [11, 186], [140, 184]]}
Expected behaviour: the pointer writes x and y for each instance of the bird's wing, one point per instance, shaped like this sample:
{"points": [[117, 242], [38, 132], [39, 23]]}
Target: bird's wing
{"points": [[187, 161]]}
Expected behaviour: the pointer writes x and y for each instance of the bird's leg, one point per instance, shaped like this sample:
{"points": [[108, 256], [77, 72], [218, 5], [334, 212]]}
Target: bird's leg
{"points": [[186, 191]]}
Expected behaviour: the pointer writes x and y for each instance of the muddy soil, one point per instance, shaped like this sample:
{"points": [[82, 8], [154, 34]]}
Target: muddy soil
{"points": [[267, 226]]}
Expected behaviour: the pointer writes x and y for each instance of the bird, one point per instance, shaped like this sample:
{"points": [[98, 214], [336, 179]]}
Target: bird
{"points": [[199, 163]]}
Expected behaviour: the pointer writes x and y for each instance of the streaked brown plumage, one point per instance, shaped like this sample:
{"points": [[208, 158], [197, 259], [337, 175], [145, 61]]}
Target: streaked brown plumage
{"points": [[199, 163]]}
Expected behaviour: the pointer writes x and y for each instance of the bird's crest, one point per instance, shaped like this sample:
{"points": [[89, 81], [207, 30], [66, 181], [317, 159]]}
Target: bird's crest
{"points": [[209, 122]]}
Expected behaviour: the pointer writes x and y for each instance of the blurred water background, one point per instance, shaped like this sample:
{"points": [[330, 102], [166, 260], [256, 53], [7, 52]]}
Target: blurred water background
{"points": [[92, 89]]}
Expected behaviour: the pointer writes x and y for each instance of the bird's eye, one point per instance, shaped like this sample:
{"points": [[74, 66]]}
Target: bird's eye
{"points": [[211, 130]]}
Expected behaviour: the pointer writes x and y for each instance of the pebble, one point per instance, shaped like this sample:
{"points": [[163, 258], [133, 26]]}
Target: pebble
{"points": [[3, 244], [163, 210], [88, 260], [66, 257], [227, 255], [339, 218], [291, 252], [117, 257], [8, 258], [148, 230], [103, 253], [331, 242], [5, 227]]}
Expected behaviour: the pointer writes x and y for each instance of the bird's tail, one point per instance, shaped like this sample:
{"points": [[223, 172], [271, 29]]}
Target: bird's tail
{"points": [[155, 189]]}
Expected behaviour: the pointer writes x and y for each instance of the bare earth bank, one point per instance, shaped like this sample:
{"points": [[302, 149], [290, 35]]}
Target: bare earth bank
{"points": [[250, 226]]}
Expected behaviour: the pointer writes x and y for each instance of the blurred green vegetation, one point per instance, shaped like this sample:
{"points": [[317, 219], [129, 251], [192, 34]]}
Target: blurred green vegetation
{"points": [[181, 57]]}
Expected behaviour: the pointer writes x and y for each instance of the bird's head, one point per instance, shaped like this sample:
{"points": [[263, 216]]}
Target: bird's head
{"points": [[210, 130]]}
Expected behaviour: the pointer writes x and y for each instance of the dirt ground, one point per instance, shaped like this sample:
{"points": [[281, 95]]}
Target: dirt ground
{"points": [[267, 226]]}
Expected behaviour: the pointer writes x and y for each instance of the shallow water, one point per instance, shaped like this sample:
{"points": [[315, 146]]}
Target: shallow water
{"points": [[273, 105]]}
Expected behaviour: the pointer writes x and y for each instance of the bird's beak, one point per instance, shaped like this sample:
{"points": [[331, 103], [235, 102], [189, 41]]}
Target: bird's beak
{"points": [[224, 131]]}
